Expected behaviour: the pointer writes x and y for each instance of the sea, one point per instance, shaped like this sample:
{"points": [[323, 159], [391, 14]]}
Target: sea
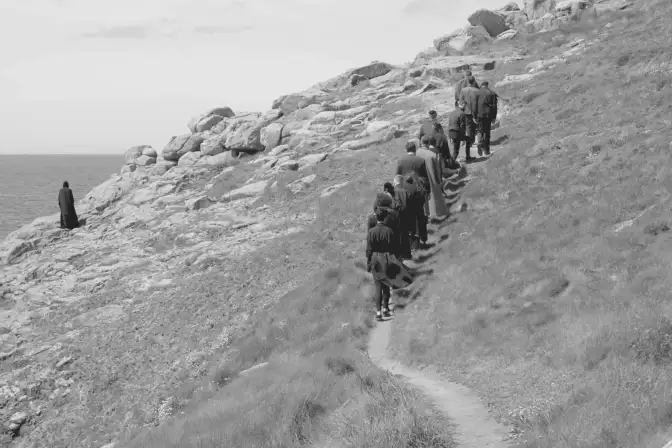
{"points": [[29, 184]]}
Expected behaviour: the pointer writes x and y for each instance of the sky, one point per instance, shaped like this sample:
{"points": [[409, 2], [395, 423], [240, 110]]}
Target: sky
{"points": [[100, 76]]}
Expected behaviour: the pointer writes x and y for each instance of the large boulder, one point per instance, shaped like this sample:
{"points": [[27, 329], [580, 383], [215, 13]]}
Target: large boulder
{"points": [[222, 159], [248, 137], [511, 6], [180, 145], [493, 22], [515, 19], [205, 122], [295, 101], [161, 167], [189, 158], [132, 153], [507, 35], [213, 145], [143, 155], [107, 193], [536, 9], [462, 38], [144, 160], [373, 70], [271, 135]]}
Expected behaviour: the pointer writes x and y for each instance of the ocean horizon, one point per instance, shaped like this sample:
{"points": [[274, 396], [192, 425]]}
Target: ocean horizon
{"points": [[29, 183]]}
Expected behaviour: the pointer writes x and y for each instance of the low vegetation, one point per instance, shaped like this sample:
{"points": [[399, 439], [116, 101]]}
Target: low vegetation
{"points": [[550, 291]]}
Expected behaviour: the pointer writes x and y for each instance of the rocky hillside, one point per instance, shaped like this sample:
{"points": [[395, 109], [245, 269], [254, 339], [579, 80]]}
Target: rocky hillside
{"points": [[98, 326]]}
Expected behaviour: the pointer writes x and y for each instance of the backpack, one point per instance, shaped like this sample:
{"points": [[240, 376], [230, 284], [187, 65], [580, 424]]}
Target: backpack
{"points": [[418, 182]]}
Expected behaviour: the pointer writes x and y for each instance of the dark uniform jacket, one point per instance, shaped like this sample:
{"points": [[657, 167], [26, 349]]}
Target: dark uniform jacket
{"points": [[412, 162], [469, 95], [486, 104], [461, 84], [380, 240]]}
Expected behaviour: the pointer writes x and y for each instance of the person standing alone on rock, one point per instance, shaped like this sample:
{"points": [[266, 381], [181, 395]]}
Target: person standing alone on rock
{"points": [[66, 201], [461, 84], [470, 97], [457, 126], [485, 115]]}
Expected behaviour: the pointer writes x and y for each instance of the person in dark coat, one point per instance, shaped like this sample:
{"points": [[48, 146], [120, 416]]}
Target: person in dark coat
{"points": [[427, 127], [469, 95], [442, 147], [461, 84], [411, 162], [385, 200], [413, 184], [406, 217], [388, 272], [415, 172], [457, 126], [66, 201], [485, 115]]}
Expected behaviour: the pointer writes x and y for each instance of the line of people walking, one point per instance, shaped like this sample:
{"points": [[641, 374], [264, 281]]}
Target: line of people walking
{"points": [[401, 211]]}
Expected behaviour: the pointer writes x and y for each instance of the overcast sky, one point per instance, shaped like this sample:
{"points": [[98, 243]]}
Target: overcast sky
{"points": [[99, 76]]}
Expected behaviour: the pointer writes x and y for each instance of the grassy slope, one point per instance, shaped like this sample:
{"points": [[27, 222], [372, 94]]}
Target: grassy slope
{"points": [[546, 297], [318, 387]]}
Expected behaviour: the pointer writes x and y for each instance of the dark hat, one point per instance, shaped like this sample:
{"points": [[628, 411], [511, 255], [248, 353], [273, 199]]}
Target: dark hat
{"points": [[432, 112]]}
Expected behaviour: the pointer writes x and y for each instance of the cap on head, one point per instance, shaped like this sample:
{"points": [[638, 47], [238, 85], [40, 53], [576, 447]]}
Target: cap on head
{"points": [[411, 147], [432, 113]]}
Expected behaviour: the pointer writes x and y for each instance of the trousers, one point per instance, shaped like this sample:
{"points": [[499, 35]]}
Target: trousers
{"points": [[382, 292]]}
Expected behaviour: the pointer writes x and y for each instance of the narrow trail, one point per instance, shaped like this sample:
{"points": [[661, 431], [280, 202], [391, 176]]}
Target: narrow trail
{"points": [[474, 426]]}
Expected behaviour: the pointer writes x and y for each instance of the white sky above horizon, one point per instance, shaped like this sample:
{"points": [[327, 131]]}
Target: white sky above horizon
{"points": [[99, 76]]}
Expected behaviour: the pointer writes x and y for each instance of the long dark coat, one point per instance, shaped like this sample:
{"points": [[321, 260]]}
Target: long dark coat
{"points": [[381, 259], [66, 201]]}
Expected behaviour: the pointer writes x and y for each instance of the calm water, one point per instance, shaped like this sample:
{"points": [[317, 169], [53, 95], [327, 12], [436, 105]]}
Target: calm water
{"points": [[29, 184]]}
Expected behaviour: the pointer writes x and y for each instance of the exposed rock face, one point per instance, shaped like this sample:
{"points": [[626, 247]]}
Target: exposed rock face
{"points": [[493, 22], [536, 9], [373, 70], [515, 19], [180, 145], [143, 155], [207, 120], [462, 38]]}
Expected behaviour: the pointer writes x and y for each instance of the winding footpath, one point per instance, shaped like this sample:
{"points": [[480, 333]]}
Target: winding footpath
{"points": [[474, 426]]}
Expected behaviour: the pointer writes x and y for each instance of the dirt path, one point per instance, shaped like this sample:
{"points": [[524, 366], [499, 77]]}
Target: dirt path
{"points": [[475, 428]]}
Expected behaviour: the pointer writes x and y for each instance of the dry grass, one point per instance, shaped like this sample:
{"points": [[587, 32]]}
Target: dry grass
{"points": [[551, 289], [298, 303]]}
